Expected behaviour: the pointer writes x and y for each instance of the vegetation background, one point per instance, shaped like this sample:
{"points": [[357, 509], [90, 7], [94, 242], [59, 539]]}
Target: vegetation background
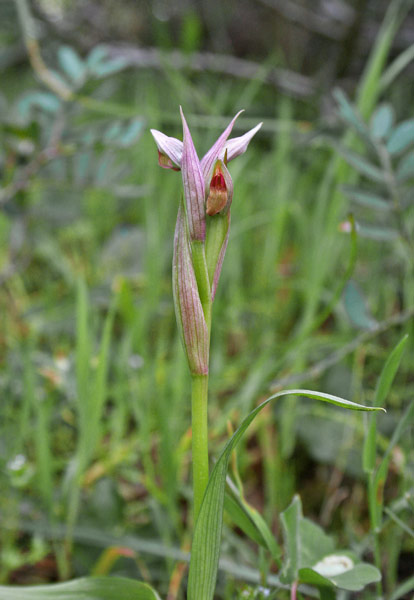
{"points": [[95, 408]]}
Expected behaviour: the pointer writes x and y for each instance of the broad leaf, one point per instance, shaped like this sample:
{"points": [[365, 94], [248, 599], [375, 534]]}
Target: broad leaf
{"points": [[354, 579], [350, 114], [401, 137], [43, 100], [72, 65], [310, 556], [357, 578], [314, 543], [382, 121], [88, 588], [206, 543], [405, 169], [100, 65]]}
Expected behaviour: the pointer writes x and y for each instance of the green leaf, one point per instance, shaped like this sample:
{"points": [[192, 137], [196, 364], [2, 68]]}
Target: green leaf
{"points": [[336, 400], [401, 137], [311, 577], [131, 133], [206, 543], [382, 471], [113, 131], [242, 520], [356, 307], [350, 115], [96, 56], [403, 589], [290, 519], [405, 168], [379, 234], [90, 588], [43, 100], [262, 534], [354, 579], [397, 65], [360, 164], [327, 593], [314, 543], [385, 381], [382, 120], [72, 65], [357, 578], [101, 66], [365, 198], [389, 371]]}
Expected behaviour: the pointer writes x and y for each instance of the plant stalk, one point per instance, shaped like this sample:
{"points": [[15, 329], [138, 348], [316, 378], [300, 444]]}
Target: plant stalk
{"points": [[199, 395]]}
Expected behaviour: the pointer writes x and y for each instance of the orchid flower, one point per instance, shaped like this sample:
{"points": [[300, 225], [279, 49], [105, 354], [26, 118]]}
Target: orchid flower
{"points": [[202, 230], [200, 242]]}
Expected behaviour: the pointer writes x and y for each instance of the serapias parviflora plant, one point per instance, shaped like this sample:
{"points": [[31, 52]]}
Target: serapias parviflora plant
{"points": [[200, 242]]}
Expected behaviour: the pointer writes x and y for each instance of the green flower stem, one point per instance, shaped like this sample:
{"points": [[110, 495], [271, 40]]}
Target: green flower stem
{"points": [[199, 386], [199, 397]]}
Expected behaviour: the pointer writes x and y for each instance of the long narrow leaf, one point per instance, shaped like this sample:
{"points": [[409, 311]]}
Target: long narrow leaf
{"points": [[382, 471], [360, 164], [253, 523], [206, 544], [404, 589], [88, 588], [383, 387]]}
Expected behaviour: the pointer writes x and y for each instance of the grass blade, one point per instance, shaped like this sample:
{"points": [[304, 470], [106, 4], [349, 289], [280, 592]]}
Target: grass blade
{"points": [[87, 588], [383, 387]]}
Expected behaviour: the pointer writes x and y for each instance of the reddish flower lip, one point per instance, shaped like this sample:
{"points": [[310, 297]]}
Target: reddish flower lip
{"points": [[218, 194]]}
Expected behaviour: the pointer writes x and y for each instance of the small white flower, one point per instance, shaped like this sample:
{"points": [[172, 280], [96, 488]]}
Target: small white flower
{"points": [[334, 564]]}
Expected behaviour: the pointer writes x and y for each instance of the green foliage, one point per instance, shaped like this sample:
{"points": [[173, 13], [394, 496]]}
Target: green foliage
{"points": [[95, 407], [356, 308], [386, 171], [311, 557], [207, 535], [97, 588]]}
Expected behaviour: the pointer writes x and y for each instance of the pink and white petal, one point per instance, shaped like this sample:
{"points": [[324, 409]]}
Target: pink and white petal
{"points": [[238, 145], [169, 146], [194, 187], [212, 155]]}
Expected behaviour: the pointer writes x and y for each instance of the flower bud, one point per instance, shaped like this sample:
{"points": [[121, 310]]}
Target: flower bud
{"points": [[188, 309]]}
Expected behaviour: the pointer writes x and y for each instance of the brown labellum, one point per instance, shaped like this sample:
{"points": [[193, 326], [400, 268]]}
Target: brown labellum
{"points": [[218, 195]]}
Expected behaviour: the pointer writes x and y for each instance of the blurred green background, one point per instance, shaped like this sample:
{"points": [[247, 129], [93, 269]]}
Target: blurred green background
{"points": [[95, 407]]}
